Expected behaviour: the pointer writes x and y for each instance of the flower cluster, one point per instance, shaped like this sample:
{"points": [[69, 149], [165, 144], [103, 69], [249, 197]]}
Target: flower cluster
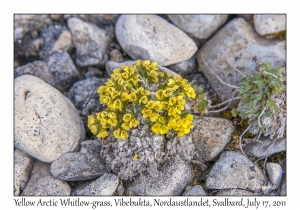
{"points": [[160, 97]]}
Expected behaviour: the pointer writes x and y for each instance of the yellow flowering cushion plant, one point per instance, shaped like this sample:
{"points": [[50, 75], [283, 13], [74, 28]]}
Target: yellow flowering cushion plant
{"points": [[143, 92]]}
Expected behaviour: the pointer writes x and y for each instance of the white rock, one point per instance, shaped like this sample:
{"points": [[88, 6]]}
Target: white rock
{"points": [[23, 167], [269, 24], [46, 123], [274, 171], [195, 191], [151, 37], [245, 50], [200, 26]]}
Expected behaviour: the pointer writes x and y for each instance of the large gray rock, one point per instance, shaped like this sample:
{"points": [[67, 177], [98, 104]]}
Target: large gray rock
{"points": [[46, 123], [172, 179], [83, 165], [57, 38], [246, 50], [265, 147], [84, 96], [105, 185], [194, 191], [151, 37], [26, 23], [58, 71], [235, 192], [199, 26], [269, 24], [42, 183], [23, 166], [274, 171], [91, 42], [235, 171], [210, 136]]}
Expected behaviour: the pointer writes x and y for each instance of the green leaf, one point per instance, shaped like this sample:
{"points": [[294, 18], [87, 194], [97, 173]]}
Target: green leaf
{"points": [[234, 112]]}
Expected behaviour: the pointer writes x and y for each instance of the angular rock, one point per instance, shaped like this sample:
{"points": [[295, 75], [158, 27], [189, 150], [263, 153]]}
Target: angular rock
{"points": [[46, 123], [210, 136], [111, 65], [42, 183], [265, 147], [235, 192], [200, 80], [172, 179], [235, 171], [269, 24], [151, 37], [237, 45], [105, 185], [57, 38], [187, 66], [23, 166], [91, 42], [26, 23], [83, 165], [274, 171], [199, 26], [195, 191], [84, 96], [58, 71]]}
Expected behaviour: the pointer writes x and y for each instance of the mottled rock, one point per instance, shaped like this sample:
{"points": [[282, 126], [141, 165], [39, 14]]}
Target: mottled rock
{"points": [[235, 192], [78, 190], [210, 136], [26, 23], [58, 71], [265, 147], [195, 191], [93, 72], [235, 171], [200, 80], [172, 179], [111, 65], [283, 186], [84, 96], [200, 26], [105, 185], [91, 42], [57, 38], [187, 66], [151, 37], [116, 56], [274, 171], [237, 45], [23, 166], [120, 190], [269, 24], [46, 123], [42, 183], [83, 165]]}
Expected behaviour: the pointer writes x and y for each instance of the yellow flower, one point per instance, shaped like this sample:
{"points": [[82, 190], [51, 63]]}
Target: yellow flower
{"points": [[158, 106], [181, 100], [123, 134], [94, 129], [180, 107], [163, 130], [156, 128], [112, 115], [155, 79], [159, 95], [135, 157], [125, 126], [125, 75], [110, 90], [132, 97], [117, 104], [131, 70], [101, 89], [146, 62], [117, 133], [172, 123], [112, 121], [154, 117], [103, 121], [167, 92], [91, 120], [154, 65], [143, 100], [104, 114], [172, 101], [171, 82], [127, 117], [165, 105], [162, 119], [190, 117], [172, 111], [153, 73], [106, 100], [146, 112], [102, 134], [114, 94], [191, 93], [134, 123], [110, 83], [120, 81], [124, 96], [150, 104]]}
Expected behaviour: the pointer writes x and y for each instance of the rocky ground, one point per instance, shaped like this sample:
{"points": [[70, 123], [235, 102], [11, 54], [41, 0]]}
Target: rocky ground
{"points": [[61, 60]]}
